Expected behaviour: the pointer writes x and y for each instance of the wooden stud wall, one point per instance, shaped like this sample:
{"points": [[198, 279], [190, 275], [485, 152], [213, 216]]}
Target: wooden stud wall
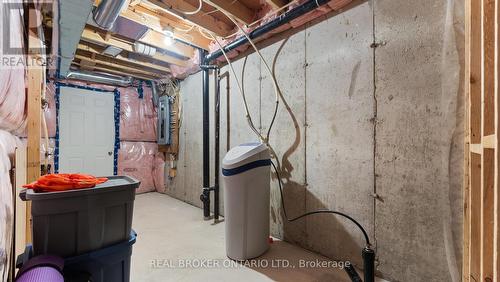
{"points": [[481, 198]]}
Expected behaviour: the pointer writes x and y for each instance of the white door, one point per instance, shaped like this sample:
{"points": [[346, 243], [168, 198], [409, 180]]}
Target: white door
{"points": [[86, 131]]}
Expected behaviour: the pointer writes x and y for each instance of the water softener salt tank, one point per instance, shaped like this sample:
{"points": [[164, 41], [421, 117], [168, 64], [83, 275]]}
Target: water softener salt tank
{"points": [[246, 176]]}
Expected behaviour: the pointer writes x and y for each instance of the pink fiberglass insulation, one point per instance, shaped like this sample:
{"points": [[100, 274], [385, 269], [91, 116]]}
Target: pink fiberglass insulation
{"points": [[8, 143], [192, 67], [12, 81], [49, 112], [135, 159], [13, 100], [159, 172], [137, 115]]}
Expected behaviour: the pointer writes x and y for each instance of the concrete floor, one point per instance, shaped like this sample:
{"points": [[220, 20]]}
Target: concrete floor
{"points": [[171, 232]]}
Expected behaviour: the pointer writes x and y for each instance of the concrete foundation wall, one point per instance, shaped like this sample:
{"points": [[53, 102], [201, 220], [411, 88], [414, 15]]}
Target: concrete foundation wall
{"points": [[371, 106]]}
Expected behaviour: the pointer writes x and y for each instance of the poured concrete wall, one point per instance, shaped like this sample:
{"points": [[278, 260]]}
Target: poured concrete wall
{"points": [[371, 106]]}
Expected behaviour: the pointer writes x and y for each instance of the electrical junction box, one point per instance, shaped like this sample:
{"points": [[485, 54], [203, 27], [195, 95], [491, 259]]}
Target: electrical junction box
{"points": [[164, 129]]}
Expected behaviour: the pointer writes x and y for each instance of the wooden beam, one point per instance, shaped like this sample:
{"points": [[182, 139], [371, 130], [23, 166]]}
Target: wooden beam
{"points": [[99, 57], [473, 78], [162, 21], [205, 21], [468, 149], [496, 212], [488, 128], [121, 67], [139, 13], [155, 35], [157, 40], [276, 4], [34, 113], [111, 70], [475, 215], [235, 8], [20, 205], [95, 37]]}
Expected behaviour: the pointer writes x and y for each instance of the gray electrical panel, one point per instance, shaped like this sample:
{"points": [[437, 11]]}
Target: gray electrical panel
{"points": [[164, 126]]}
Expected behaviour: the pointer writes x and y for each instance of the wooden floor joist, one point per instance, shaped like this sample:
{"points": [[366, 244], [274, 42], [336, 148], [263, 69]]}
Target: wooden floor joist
{"points": [[110, 70], [114, 65], [89, 51], [481, 196], [235, 8], [206, 21], [89, 35], [159, 23]]}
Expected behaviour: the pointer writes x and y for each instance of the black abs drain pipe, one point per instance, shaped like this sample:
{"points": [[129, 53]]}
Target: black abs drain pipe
{"points": [[367, 253], [205, 195]]}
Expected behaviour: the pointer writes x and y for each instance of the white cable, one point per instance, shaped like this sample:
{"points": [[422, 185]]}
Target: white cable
{"points": [[275, 83], [192, 12], [247, 113], [240, 89]]}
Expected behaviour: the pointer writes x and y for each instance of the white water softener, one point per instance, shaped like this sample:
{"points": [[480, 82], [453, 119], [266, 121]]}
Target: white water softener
{"points": [[246, 176]]}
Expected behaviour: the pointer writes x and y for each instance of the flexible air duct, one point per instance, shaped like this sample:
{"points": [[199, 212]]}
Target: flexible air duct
{"points": [[107, 12], [144, 49]]}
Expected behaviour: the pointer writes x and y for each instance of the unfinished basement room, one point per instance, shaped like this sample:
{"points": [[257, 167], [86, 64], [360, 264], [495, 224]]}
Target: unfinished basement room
{"points": [[249, 140]]}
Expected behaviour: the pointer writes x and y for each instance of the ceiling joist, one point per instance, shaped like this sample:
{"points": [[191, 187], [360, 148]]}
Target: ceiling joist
{"points": [[118, 66], [276, 4], [95, 37], [201, 19], [155, 35], [110, 70], [235, 8], [161, 21], [85, 49]]}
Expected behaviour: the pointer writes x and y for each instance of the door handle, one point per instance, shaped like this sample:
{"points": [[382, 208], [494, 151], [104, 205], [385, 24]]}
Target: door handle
{"points": [[110, 153]]}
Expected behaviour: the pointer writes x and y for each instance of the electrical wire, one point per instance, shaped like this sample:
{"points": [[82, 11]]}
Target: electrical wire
{"points": [[262, 18], [275, 83], [266, 138], [200, 5], [240, 89], [367, 239]]}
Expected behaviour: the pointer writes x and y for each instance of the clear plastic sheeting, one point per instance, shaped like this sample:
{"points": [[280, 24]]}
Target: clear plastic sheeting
{"points": [[50, 109], [12, 100], [12, 73], [8, 144], [138, 116], [142, 161], [47, 153]]}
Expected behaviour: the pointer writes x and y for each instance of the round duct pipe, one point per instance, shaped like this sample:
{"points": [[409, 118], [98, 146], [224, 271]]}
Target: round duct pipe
{"points": [[144, 49], [99, 78], [107, 12]]}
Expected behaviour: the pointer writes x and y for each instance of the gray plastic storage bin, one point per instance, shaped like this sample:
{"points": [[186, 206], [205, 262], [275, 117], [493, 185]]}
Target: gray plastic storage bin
{"points": [[111, 264], [74, 222]]}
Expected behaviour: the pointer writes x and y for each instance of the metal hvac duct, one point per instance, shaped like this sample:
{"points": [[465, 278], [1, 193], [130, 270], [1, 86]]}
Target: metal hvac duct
{"points": [[107, 12], [100, 78]]}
